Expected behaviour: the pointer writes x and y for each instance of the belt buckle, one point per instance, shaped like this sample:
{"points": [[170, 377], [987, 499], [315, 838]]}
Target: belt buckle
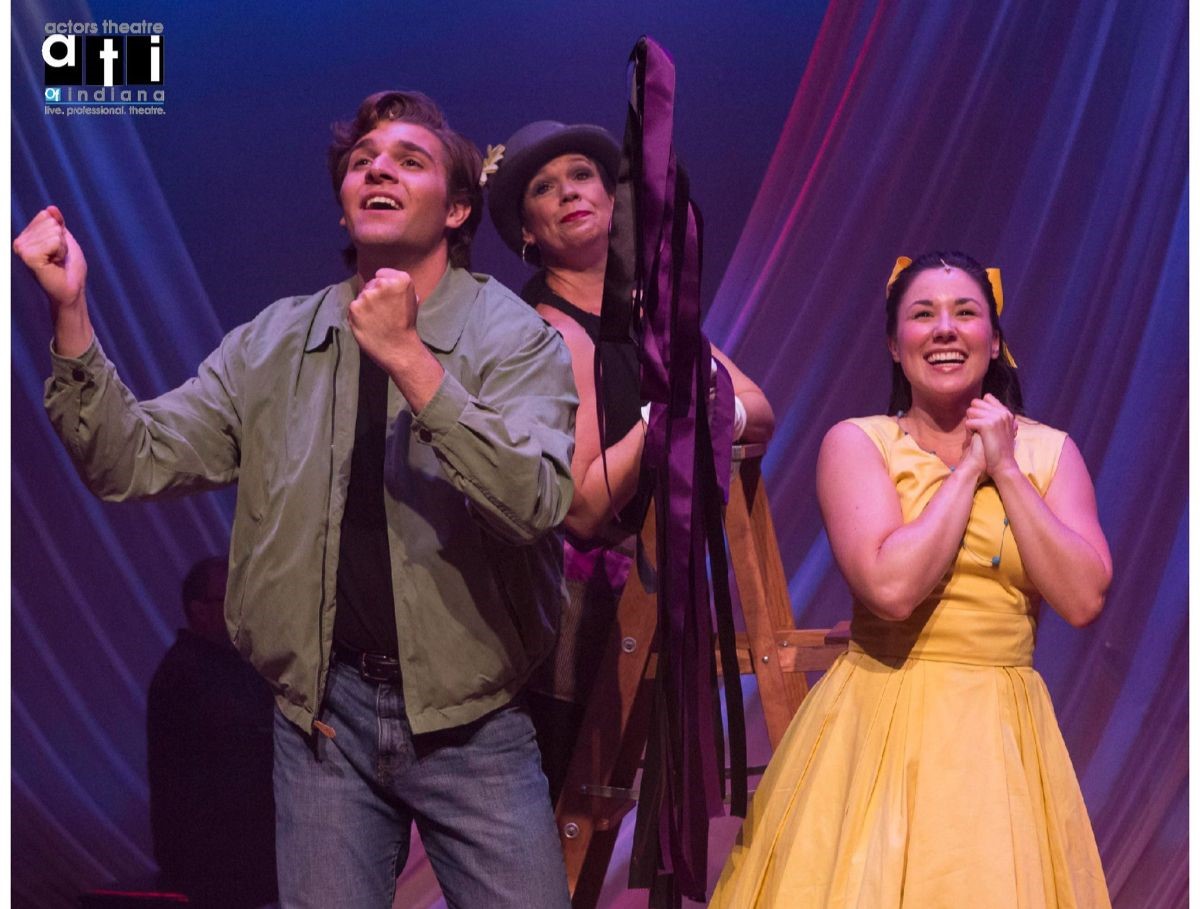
{"points": [[375, 669]]}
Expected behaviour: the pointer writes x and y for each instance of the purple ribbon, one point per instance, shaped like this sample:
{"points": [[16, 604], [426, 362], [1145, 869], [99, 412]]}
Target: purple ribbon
{"points": [[656, 260]]}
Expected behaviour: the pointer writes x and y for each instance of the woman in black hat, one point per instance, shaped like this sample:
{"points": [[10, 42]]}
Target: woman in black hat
{"points": [[551, 200]]}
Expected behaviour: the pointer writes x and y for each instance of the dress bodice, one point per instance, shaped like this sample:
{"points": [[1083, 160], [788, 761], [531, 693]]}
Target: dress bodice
{"points": [[984, 610]]}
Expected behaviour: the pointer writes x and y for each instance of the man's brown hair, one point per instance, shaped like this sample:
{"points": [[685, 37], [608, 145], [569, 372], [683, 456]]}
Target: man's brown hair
{"points": [[463, 161]]}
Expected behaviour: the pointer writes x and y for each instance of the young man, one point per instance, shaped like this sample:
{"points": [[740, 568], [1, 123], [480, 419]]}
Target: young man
{"points": [[392, 570]]}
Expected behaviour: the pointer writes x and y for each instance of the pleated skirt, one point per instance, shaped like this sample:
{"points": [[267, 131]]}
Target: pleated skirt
{"points": [[922, 784]]}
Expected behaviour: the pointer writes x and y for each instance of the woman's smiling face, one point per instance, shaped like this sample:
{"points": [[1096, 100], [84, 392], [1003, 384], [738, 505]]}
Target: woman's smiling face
{"points": [[944, 340], [567, 210]]}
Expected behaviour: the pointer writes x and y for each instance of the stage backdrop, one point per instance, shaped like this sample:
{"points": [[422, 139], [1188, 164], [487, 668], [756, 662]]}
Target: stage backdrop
{"points": [[1049, 140]]}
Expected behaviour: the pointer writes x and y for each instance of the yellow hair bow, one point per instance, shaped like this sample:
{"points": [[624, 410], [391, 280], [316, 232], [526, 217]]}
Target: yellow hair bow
{"points": [[902, 262], [993, 276]]}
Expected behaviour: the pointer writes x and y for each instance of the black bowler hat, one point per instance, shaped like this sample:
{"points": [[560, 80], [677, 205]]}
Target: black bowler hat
{"points": [[526, 151]]}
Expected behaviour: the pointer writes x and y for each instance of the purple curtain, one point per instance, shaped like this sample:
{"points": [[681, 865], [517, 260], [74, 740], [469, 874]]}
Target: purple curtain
{"points": [[1049, 140]]}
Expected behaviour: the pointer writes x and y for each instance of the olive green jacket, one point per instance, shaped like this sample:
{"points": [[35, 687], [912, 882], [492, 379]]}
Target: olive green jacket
{"points": [[474, 486]]}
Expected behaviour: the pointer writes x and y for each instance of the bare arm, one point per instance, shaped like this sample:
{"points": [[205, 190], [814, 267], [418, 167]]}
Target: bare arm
{"points": [[890, 566], [760, 418], [1062, 545], [592, 508]]}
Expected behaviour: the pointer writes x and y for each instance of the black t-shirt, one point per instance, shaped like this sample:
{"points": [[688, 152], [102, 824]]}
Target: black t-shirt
{"points": [[365, 617]]}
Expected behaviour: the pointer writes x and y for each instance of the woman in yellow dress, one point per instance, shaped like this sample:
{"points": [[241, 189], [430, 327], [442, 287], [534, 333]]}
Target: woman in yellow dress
{"points": [[927, 768]]}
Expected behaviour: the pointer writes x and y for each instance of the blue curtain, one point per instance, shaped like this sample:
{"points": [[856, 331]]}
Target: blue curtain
{"points": [[95, 588], [1047, 139]]}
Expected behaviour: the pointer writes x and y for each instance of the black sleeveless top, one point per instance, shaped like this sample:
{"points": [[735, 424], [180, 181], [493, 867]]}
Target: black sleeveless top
{"points": [[618, 359]]}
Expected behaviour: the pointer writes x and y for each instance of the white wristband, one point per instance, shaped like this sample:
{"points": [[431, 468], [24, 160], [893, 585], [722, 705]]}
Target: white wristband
{"points": [[739, 418]]}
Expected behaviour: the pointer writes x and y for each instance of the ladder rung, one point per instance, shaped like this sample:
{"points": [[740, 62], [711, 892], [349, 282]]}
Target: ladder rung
{"points": [[631, 795], [609, 792]]}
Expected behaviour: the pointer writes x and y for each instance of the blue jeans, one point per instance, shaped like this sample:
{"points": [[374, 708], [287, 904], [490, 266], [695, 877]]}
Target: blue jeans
{"points": [[345, 806]]}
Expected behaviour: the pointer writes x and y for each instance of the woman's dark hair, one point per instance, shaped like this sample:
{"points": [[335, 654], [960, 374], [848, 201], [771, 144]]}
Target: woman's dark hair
{"points": [[1000, 379], [532, 255], [463, 161]]}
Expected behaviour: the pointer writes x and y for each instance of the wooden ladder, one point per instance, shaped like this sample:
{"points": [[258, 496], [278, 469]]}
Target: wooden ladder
{"points": [[599, 789]]}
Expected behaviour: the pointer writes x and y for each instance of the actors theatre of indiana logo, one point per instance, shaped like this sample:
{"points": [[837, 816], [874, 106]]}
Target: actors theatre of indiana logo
{"points": [[103, 68]]}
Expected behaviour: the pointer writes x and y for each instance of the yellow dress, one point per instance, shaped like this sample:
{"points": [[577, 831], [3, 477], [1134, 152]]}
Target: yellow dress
{"points": [[926, 769]]}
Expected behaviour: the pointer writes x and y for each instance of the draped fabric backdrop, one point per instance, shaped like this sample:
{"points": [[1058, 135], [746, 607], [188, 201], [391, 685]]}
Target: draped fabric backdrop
{"points": [[1047, 139]]}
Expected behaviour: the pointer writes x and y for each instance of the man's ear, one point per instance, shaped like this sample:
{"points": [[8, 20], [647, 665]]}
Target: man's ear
{"points": [[458, 214]]}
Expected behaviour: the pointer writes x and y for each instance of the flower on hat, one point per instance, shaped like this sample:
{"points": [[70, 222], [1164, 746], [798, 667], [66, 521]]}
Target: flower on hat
{"points": [[491, 162]]}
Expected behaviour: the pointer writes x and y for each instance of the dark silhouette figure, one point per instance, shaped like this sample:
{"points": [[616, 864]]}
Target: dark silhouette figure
{"points": [[209, 722]]}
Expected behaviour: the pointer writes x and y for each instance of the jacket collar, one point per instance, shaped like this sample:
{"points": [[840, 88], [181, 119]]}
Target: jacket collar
{"points": [[440, 319], [331, 313]]}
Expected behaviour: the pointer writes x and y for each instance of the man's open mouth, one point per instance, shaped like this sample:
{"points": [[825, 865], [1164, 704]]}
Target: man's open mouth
{"points": [[376, 203]]}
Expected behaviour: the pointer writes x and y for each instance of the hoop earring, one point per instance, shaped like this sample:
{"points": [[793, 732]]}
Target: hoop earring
{"points": [[524, 246]]}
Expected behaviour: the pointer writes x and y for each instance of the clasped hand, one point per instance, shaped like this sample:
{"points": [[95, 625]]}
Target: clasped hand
{"points": [[383, 317], [993, 434]]}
